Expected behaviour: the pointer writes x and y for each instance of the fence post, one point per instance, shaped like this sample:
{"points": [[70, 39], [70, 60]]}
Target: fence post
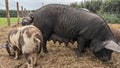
{"points": [[18, 12], [25, 12], [22, 11], [7, 12], [42, 3]]}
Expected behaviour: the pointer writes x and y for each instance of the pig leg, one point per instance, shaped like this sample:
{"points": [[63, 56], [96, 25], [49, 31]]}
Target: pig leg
{"points": [[36, 53], [47, 31], [8, 49], [35, 57], [87, 44], [44, 46], [16, 55], [16, 50], [46, 36], [30, 63], [81, 44]]}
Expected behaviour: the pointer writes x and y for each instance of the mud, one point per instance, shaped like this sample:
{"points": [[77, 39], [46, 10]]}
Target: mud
{"points": [[59, 56]]}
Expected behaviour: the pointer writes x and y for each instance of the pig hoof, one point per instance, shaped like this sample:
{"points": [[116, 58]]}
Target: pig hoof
{"points": [[79, 55], [30, 66], [16, 58], [45, 51]]}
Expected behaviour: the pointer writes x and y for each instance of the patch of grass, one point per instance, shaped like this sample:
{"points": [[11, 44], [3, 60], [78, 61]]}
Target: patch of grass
{"points": [[3, 21], [110, 18]]}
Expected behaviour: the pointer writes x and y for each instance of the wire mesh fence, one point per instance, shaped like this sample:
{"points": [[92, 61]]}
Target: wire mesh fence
{"points": [[13, 12]]}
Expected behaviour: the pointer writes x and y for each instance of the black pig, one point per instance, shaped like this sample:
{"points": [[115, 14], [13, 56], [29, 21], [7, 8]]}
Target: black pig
{"points": [[77, 25]]}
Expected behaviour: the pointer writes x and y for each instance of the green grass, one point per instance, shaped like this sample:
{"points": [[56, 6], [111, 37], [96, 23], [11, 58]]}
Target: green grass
{"points": [[110, 18], [3, 21]]}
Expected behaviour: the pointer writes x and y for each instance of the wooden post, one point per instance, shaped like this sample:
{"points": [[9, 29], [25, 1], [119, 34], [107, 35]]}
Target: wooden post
{"points": [[42, 3], [22, 11], [7, 12], [25, 12], [18, 12]]}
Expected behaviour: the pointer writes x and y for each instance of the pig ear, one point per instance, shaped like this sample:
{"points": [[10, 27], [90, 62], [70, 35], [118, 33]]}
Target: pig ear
{"points": [[3, 45], [112, 46]]}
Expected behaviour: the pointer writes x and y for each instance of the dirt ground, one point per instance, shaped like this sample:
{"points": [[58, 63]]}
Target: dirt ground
{"points": [[59, 56]]}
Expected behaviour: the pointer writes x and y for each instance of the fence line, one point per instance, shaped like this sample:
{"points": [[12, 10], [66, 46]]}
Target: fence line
{"points": [[24, 12], [12, 9]]}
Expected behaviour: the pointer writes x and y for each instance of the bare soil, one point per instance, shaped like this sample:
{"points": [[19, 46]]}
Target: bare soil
{"points": [[59, 56]]}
